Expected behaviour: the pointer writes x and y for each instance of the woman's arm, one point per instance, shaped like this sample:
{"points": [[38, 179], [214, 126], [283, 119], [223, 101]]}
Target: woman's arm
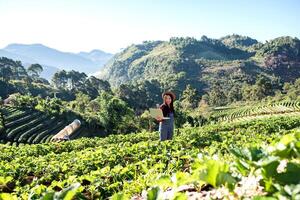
{"points": [[160, 119]]}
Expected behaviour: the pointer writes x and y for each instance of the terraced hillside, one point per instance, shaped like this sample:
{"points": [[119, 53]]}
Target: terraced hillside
{"points": [[243, 113], [29, 126]]}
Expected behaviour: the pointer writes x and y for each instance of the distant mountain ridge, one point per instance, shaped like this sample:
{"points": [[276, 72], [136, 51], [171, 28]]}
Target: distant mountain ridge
{"points": [[203, 62], [53, 60]]}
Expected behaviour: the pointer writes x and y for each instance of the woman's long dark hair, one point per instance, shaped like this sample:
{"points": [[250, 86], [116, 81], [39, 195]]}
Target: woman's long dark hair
{"points": [[171, 104]]}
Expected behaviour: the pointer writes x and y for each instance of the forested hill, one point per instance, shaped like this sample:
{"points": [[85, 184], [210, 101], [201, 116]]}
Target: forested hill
{"points": [[181, 61]]}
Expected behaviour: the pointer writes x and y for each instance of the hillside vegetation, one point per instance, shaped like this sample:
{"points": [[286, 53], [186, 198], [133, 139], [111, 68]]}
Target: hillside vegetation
{"points": [[237, 124]]}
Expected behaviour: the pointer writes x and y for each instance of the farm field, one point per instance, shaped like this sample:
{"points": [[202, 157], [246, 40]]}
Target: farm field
{"points": [[208, 159]]}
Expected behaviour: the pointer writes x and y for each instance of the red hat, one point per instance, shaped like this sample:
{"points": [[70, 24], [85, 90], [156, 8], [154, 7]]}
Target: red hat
{"points": [[169, 93]]}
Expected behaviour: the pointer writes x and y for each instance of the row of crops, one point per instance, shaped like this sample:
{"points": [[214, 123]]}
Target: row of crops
{"points": [[251, 112], [210, 158], [28, 126]]}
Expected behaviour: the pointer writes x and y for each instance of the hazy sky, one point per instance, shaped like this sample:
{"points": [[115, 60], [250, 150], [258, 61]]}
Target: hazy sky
{"points": [[110, 25]]}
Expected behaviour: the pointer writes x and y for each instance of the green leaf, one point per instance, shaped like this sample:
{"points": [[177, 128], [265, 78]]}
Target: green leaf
{"points": [[5, 180], [256, 154], [6, 196], [242, 167], [68, 193], [226, 179], [119, 196], [270, 169], [164, 181], [244, 154], [269, 187], [182, 178], [37, 190], [213, 170], [152, 193], [263, 198], [48, 196], [180, 196], [290, 176], [287, 139]]}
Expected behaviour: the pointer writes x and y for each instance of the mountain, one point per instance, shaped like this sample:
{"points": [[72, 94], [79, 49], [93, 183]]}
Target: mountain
{"points": [[163, 59], [238, 41], [201, 63], [97, 56], [282, 56], [15, 56], [48, 71], [53, 60]]}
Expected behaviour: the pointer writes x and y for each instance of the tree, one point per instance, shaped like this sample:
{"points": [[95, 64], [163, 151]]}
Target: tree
{"points": [[81, 102], [180, 114], [100, 85], [234, 94], [217, 96], [261, 89], [152, 90], [59, 79], [34, 70], [18, 70], [190, 98], [203, 108], [94, 86], [146, 122], [10, 69], [132, 94], [114, 114], [76, 79], [6, 73], [51, 106], [292, 91]]}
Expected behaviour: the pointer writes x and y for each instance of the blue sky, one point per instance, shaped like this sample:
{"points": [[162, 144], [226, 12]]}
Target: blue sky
{"points": [[111, 25]]}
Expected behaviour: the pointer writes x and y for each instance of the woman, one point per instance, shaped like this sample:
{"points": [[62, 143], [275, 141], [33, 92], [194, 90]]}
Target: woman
{"points": [[166, 124]]}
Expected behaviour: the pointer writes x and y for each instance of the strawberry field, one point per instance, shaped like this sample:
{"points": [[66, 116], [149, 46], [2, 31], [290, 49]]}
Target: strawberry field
{"points": [[212, 161]]}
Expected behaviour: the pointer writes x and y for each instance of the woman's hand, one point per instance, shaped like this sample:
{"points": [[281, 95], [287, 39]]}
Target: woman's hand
{"points": [[158, 118]]}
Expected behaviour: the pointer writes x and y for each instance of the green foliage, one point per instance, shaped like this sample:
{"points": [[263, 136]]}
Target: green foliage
{"points": [[74, 82], [10, 69], [50, 106], [287, 46], [207, 48], [214, 172], [228, 69], [248, 112], [34, 70], [273, 169], [260, 90], [291, 91], [135, 162], [166, 59], [189, 99], [23, 101], [146, 122], [217, 95], [114, 114], [238, 41], [81, 102], [135, 96], [181, 115]]}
